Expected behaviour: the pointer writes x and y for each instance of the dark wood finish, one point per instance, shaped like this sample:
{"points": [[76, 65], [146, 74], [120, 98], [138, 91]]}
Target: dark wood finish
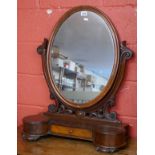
{"points": [[35, 126], [53, 145], [94, 118], [100, 98], [107, 136], [110, 139]]}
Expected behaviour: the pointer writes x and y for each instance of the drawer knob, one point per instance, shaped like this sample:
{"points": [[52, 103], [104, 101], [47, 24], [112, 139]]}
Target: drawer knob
{"points": [[70, 131]]}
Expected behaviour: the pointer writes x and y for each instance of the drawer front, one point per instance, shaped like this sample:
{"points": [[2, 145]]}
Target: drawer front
{"points": [[71, 132]]}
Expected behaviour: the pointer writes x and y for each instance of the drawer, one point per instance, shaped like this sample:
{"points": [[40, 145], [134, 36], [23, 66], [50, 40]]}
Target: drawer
{"points": [[71, 132]]}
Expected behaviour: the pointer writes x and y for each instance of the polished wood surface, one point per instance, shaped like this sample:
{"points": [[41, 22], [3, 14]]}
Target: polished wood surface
{"points": [[106, 138], [71, 132], [63, 146]]}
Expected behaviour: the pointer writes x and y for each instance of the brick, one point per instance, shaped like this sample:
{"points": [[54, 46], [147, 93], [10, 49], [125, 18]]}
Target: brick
{"points": [[27, 4], [126, 99], [28, 60], [33, 90], [130, 73], [131, 65], [125, 22], [132, 122], [26, 110], [119, 2], [68, 3], [35, 25]]}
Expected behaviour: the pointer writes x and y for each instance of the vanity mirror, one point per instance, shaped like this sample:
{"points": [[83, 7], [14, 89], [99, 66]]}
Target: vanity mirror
{"points": [[83, 64], [83, 53]]}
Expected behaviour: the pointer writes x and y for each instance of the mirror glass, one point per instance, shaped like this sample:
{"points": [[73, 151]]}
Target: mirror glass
{"points": [[82, 56]]}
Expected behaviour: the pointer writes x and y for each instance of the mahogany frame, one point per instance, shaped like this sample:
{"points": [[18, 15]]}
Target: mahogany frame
{"points": [[95, 114], [116, 58]]}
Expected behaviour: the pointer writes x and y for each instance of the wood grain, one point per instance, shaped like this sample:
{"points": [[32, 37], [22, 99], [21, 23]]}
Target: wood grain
{"points": [[53, 145], [71, 132]]}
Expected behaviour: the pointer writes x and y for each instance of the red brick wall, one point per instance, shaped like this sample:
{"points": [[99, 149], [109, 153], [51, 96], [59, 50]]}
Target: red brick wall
{"points": [[34, 24]]}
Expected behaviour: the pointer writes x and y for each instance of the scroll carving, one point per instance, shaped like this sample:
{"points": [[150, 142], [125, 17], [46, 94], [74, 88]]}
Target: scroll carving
{"points": [[125, 51], [103, 112]]}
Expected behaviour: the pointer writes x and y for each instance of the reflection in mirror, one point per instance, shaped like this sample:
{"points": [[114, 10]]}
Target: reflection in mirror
{"points": [[82, 56]]}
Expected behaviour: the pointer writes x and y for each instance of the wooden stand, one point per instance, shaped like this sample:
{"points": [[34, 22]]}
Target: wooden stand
{"points": [[106, 136]]}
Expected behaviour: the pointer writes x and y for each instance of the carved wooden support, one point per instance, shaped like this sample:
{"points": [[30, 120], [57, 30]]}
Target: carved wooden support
{"points": [[42, 50], [102, 110]]}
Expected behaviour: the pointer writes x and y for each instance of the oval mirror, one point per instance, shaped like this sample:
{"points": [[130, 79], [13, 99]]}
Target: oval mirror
{"points": [[83, 57]]}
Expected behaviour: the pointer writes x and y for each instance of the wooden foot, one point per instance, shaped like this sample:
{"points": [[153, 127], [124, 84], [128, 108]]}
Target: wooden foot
{"points": [[106, 149], [30, 137]]}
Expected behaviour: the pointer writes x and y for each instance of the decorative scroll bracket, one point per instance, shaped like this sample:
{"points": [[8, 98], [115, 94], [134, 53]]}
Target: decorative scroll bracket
{"points": [[42, 49], [125, 51]]}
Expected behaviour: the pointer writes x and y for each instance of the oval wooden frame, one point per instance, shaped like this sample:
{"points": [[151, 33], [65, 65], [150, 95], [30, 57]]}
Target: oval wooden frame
{"points": [[116, 59]]}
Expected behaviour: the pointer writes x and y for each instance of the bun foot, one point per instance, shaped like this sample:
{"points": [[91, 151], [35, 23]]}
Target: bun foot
{"points": [[106, 149], [30, 137], [35, 126]]}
